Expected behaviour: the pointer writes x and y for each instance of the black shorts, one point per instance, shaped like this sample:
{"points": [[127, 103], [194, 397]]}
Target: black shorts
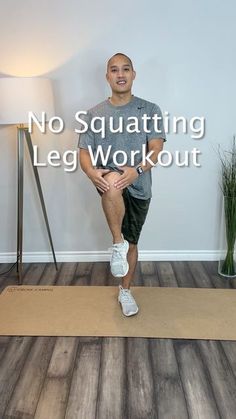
{"points": [[135, 215]]}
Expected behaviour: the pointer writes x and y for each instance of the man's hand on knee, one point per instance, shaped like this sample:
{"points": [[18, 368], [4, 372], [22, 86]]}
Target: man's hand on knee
{"points": [[127, 178], [97, 176]]}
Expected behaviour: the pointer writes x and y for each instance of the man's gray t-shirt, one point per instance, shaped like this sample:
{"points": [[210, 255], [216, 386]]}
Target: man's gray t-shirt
{"points": [[128, 142]]}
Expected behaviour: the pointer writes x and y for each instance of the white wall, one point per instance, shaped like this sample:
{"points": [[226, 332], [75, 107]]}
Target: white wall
{"points": [[184, 54]]}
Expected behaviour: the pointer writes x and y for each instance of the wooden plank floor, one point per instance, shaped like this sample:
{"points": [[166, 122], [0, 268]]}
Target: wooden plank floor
{"points": [[117, 378]]}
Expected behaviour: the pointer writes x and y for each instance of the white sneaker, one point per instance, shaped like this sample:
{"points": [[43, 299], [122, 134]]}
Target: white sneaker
{"points": [[119, 263], [127, 301]]}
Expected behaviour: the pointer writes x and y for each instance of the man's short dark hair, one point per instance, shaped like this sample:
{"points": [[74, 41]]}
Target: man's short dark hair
{"points": [[124, 55]]}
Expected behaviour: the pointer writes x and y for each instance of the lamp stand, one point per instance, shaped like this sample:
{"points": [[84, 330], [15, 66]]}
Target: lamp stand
{"points": [[23, 133]]}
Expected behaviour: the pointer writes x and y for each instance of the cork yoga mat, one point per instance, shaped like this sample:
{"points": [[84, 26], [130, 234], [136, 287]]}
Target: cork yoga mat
{"points": [[186, 313]]}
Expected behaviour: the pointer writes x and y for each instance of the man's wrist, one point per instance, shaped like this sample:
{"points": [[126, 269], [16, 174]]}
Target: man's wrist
{"points": [[139, 169], [90, 171]]}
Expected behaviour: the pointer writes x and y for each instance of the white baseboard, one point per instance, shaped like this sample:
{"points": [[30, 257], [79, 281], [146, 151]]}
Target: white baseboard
{"points": [[102, 256]]}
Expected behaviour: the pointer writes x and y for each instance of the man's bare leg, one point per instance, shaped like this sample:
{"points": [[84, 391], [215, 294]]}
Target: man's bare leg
{"points": [[132, 258], [113, 207]]}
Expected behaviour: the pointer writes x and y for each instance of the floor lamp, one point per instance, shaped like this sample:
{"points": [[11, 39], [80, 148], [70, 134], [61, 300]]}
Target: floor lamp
{"points": [[18, 96]]}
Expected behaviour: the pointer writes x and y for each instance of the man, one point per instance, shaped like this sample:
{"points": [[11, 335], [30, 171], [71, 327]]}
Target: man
{"points": [[125, 189]]}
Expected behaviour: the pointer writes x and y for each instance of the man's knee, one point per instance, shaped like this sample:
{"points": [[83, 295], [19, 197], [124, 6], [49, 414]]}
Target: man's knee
{"points": [[111, 178]]}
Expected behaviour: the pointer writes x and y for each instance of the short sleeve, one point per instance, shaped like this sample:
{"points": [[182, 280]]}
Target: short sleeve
{"points": [[152, 126], [86, 138]]}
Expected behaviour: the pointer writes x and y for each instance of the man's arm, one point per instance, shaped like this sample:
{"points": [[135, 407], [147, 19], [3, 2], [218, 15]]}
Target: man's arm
{"points": [[155, 145], [130, 173], [95, 175]]}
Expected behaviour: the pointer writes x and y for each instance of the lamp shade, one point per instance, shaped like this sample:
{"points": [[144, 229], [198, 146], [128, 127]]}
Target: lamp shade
{"points": [[19, 95]]}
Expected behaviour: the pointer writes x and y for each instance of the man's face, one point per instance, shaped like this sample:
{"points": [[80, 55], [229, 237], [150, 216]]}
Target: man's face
{"points": [[120, 75]]}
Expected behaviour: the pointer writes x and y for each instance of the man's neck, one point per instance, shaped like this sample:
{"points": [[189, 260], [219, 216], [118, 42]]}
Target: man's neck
{"points": [[120, 99]]}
